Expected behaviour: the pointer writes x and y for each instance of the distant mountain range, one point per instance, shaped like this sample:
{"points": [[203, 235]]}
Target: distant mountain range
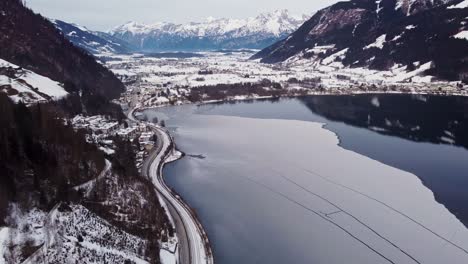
{"points": [[223, 33], [381, 34], [92, 41]]}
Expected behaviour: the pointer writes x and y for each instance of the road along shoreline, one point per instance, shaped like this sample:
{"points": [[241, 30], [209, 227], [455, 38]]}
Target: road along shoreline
{"points": [[194, 246]]}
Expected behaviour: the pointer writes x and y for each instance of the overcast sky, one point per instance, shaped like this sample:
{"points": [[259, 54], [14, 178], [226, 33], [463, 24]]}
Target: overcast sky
{"points": [[106, 14]]}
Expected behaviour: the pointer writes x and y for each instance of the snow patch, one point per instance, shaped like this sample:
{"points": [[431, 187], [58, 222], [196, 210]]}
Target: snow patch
{"points": [[167, 257], [30, 87], [462, 35], [461, 5], [340, 54], [379, 43], [403, 76]]}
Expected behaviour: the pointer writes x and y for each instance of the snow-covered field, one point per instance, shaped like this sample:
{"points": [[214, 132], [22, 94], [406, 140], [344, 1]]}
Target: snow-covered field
{"points": [[160, 81], [236, 67], [28, 86]]}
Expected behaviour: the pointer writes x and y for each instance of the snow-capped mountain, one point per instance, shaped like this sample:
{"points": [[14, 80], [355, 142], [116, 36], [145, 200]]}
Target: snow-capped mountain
{"points": [[223, 33], [383, 34], [92, 41]]}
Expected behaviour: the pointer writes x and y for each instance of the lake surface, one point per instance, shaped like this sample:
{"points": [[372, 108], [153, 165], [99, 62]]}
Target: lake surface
{"points": [[271, 185]]}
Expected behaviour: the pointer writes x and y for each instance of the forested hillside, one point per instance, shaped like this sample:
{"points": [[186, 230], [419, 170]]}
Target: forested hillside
{"points": [[52, 173], [32, 42], [41, 158]]}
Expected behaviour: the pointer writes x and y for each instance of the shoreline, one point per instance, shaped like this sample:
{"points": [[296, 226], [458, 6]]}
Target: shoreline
{"points": [[329, 93], [415, 179], [170, 158], [196, 248]]}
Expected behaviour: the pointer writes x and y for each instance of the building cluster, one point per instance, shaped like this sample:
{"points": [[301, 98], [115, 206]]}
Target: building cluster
{"points": [[97, 124], [101, 130], [154, 82], [152, 97]]}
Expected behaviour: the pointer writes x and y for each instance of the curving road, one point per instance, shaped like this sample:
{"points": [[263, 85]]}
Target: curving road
{"points": [[193, 242]]}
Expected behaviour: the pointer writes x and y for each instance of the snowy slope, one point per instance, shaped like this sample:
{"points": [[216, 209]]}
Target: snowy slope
{"points": [[214, 33], [381, 34], [66, 234], [410, 7], [25, 85], [91, 41]]}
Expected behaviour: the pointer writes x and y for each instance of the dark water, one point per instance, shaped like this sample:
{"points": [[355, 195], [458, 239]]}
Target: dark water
{"points": [[175, 55], [424, 135], [406, 132]]}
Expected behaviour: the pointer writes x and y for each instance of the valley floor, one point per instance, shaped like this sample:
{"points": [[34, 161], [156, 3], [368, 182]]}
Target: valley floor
{"points": [[220, 76]]}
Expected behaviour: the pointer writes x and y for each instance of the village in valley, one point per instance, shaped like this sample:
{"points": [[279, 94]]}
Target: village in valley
{"points": [[102, 129], [154, 81]]}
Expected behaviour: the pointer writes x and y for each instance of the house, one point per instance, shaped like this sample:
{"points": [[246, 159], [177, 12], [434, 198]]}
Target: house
{"points": [[128, 133]]}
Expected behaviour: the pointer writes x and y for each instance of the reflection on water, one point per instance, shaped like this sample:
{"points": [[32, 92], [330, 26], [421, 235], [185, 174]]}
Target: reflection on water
{"points": [[433, 119], [424, 135], [421, 135]]}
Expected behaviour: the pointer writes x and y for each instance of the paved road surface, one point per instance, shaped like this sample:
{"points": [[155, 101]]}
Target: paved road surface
{"points": [[192, 249]]}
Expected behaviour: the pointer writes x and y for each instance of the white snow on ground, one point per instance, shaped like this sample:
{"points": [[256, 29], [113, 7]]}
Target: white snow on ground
{"points": [[407, 75], [176, 76], [77, 234], [162, 100], [88, 186], [25, 227], [67, 234], [4, 234], [155, 82], [397, 37], [25, 83], [460, 5], [462, 35], [399, 4], [335, 56], [108, 151], [385, 208], [379, 43], [167, 257]]}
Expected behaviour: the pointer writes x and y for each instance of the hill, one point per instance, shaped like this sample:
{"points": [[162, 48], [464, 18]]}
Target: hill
{"points": [[32, 42], [381, 35]]}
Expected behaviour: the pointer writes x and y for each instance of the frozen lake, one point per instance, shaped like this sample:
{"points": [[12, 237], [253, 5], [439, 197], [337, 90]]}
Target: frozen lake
{"points": [[383, 182]]}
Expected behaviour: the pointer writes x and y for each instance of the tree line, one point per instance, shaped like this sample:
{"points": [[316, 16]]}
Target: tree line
{"points": [[41, 156]]}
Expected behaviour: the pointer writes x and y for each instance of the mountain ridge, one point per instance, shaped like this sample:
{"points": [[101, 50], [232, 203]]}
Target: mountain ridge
{"points": [[212, 33], [381, 34], [92, 41]]}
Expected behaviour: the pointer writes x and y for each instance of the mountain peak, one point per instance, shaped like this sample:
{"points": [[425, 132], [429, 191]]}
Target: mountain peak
{"points": [[210, 19], [213, 32], [220, 25]]}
